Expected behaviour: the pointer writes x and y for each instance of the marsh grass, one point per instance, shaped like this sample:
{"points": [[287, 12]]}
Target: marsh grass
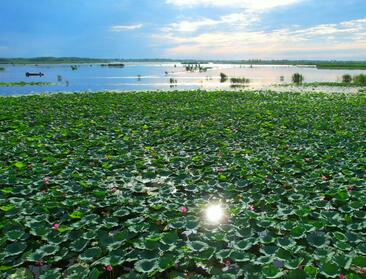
{"points": [[297, 78], [239, 80]]}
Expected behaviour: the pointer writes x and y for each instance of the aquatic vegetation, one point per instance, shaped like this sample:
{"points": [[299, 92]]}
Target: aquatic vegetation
{"points": [[239, 80], [2, 69], [342, 65], [23, 83], [347, 78], [359, 79], [223, 77], [113, 64], [319, 84], [297, 78], [285, 172], [196, 68]]}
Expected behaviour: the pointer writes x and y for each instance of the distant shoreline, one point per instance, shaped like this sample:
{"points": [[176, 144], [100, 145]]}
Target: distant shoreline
{"points": [[331, 64]]}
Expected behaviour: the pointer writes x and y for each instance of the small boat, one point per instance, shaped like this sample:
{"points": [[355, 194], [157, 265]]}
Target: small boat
{"points": [[28, 74]]}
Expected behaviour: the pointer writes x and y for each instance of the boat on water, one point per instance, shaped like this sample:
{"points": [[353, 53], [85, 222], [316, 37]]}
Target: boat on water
{"points": [[28, 74]]}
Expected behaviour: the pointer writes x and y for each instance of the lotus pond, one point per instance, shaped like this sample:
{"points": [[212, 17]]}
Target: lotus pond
{"points": [[109, 185]]}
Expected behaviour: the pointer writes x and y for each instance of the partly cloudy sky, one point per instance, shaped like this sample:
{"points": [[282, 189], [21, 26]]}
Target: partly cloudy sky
{"points": [[201, 29]]}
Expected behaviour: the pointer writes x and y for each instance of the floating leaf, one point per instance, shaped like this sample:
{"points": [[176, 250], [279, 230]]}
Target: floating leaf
{"points": [[146, 266]]}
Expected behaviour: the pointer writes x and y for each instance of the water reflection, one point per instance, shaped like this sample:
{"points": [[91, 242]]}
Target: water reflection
{"points": [[152, 76]]}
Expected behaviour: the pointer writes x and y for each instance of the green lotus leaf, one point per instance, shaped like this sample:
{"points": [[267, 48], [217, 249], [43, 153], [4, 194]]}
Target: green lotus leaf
{"points": [[343, 246], [14, 235], [91, 254], [197, 246], [297, 232], [21, 273], [76, 271], [79, 245], [51, 274], [317, 239], [146, 266], [19, 165], [272, 272], [240, 256], [269, 250], [286, 243], [362, 249], [244, 244], [166, 262], [297, 274], [15, 248], [342, 261], [169, 238], [330, 270], [121, 212], [76, 215], [224, 254], [311, 271], [294, 263], [360, 261]]}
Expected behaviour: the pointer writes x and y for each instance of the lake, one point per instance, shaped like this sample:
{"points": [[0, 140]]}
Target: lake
{"points": [[155, 76]]}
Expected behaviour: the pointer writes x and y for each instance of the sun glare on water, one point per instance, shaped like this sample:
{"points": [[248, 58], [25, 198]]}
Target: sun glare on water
{"points": [[214, 213]]}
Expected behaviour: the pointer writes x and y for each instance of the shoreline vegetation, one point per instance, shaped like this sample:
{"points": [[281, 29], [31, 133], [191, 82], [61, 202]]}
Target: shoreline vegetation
{"points": [[23, 83], [108, 185], [351, 65], [318, 84]]}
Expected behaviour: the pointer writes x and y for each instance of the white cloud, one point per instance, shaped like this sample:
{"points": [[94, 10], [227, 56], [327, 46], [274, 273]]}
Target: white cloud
{"points": [[121, 28], [248, 4], [326, 39], [234, 20]]}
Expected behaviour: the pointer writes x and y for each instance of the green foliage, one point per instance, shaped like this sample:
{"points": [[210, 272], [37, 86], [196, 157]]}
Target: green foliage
{"points": [[289, 169]]}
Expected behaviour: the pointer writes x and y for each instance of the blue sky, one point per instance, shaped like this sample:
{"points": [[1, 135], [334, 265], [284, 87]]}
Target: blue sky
{"points": [[202, 29]]}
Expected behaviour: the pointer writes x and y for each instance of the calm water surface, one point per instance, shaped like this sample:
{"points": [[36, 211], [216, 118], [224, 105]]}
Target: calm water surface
{"points": [[154, 76]]}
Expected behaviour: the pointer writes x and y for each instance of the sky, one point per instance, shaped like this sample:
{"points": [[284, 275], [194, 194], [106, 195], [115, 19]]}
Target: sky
{"points": [[196, 29]]}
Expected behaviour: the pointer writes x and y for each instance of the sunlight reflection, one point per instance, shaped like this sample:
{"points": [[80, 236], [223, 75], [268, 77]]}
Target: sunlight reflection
{"points": [[214, 213]]}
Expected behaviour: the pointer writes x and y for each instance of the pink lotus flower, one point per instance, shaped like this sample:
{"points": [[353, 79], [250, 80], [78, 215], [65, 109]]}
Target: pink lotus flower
{"points": [[114, 189], [56, 227], [158, 222], [40, 263], [44, 191], [341, 276], [325, 178], [250, 207], [221, 169], [227, 262], [307, 159], [184, 210], [46, 180], [350, 189], [108, 268]]}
